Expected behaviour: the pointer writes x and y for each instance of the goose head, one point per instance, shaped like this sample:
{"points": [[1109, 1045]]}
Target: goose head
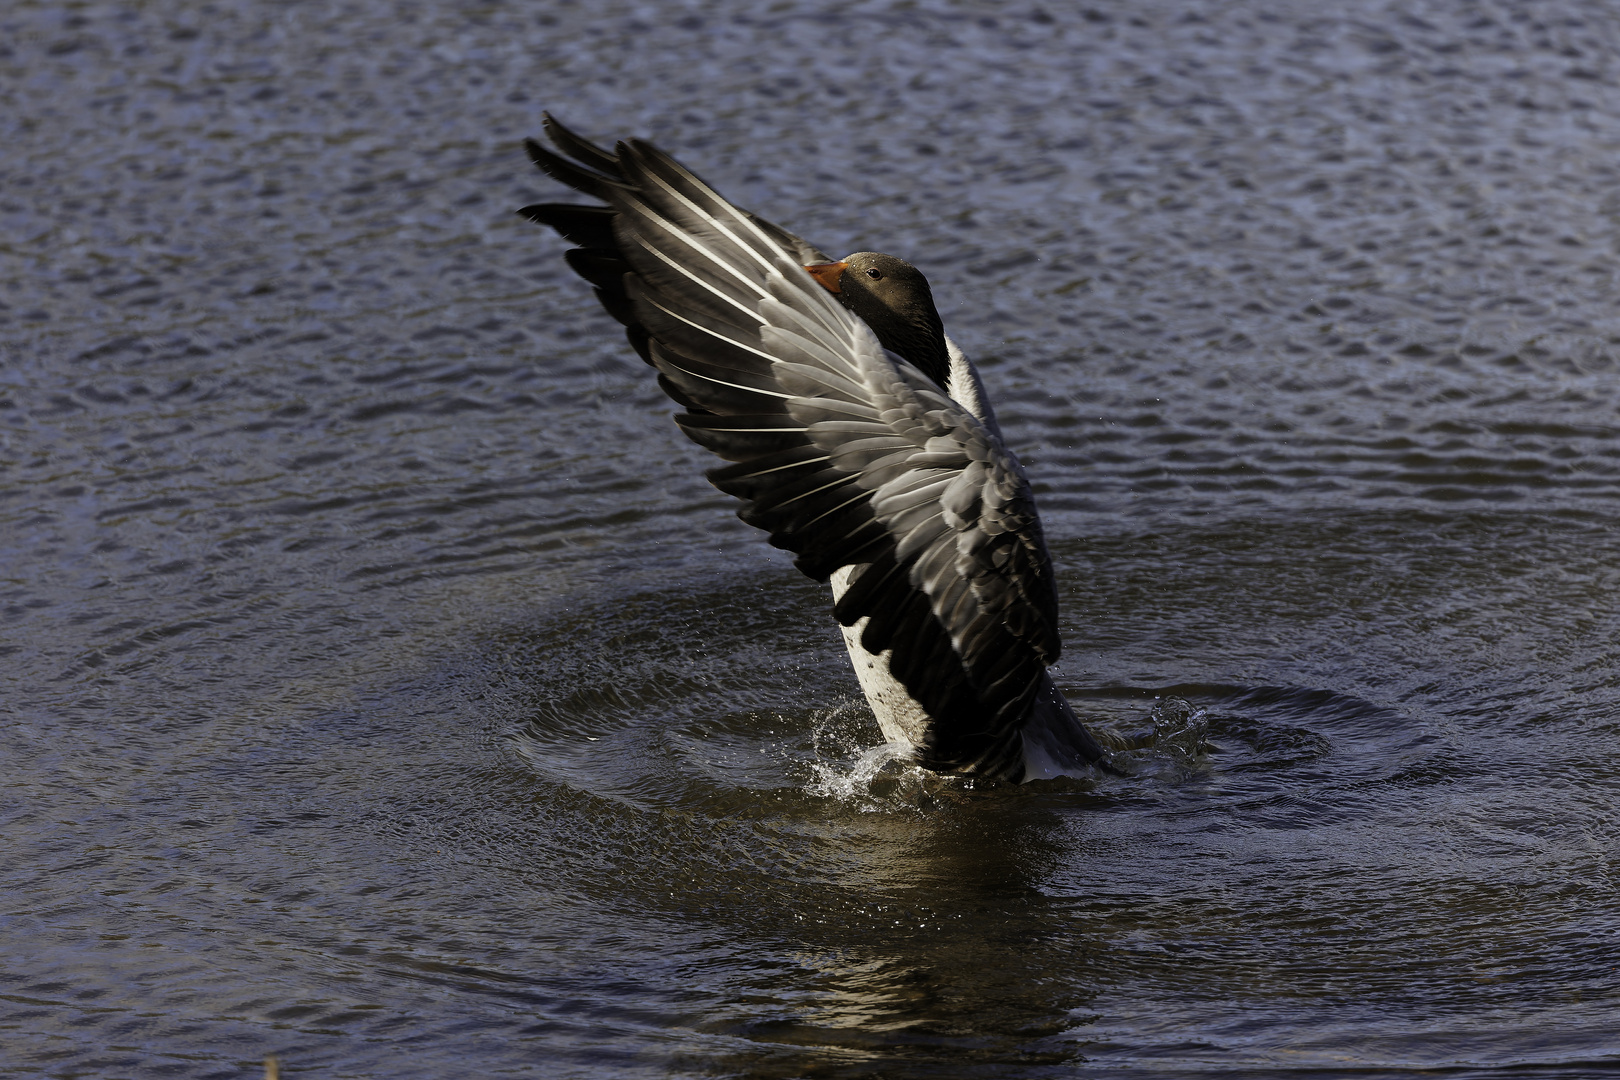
{"points": [[893, 298]]}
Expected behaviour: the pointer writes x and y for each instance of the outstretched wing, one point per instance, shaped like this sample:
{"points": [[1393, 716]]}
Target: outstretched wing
{"points": [[845, 454]]}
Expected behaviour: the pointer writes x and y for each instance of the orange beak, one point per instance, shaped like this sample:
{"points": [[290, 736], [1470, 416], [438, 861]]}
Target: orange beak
{"points": [[828, 274]]}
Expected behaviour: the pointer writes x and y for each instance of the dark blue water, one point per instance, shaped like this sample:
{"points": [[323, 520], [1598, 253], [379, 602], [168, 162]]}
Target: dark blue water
{"points": [[384, 688]]}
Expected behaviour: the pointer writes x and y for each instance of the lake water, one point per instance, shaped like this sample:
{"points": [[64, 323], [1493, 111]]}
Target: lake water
{"points": [[385, 689]]}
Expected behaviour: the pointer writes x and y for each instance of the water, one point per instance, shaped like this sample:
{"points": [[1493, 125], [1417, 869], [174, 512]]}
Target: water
{"points": [[386, 690]]}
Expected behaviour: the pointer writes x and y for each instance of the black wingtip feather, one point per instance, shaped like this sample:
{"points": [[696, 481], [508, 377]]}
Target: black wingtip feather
{"points": [[676, 394], [567, 172], [640, 342], [587, 226], [602, 267], [580, 149], [614, 303]]}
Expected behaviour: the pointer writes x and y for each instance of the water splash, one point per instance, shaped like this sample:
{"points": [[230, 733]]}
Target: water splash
{"points": [[1180, 728], [1174, 743], [871, 779]]}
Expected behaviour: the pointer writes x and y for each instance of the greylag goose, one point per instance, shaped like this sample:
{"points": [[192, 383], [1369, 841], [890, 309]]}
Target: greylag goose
{"points": [[861, 439]]}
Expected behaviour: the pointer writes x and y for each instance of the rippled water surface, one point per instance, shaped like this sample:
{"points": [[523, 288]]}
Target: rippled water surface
{"points": [[386, 690]]}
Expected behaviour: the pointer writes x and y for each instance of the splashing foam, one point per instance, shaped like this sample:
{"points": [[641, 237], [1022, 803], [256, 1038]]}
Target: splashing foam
{"points": [[872, 779], [1177, 747], [853, 782], [1179, 726]]}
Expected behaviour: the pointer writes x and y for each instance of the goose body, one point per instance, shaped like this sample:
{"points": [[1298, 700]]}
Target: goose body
{"points": [[861, 439]]}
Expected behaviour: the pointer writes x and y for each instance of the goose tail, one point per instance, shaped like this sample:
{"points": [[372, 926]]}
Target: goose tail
{"points": [[1056, 743]]}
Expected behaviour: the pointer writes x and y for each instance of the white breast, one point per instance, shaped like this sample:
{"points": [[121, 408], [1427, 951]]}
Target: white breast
{"points": [[898, 713]]}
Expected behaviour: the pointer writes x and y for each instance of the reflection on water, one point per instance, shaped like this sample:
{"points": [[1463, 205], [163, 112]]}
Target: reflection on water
{"points": [[387, 690], [913, 921]]}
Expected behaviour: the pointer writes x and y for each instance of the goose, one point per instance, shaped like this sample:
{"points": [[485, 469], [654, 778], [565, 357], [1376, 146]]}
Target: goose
{"points": [[859, 437]]}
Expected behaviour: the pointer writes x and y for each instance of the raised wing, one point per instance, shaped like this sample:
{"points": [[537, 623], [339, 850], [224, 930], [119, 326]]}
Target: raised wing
{"points": [[846, 454]]}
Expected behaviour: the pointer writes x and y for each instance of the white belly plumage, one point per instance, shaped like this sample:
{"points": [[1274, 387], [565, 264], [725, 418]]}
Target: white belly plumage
{"points": [[899, 715], [1050, 737]]}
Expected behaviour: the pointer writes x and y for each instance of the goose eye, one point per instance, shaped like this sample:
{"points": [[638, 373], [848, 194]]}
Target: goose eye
{"points": [[875, 275]]}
